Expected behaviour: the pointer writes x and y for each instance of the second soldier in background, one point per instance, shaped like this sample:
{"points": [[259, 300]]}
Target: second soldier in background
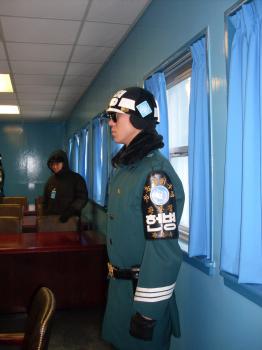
{"points": [[65, 192]]}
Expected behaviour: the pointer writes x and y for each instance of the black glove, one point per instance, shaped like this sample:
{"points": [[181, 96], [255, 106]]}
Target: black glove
{"points": [[141, 327], [66, 215], [63, 218]]}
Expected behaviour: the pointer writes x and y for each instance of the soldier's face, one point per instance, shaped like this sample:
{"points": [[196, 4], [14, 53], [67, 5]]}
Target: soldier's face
{"points": [[122, 130], [56, 167]]}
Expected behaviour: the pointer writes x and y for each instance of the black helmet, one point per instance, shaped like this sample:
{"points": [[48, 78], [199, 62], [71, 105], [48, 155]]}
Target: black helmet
{"points": [[139, 103]]}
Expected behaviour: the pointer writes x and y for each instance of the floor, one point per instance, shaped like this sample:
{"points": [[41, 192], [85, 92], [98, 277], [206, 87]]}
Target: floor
{"points": [[72, 330]]}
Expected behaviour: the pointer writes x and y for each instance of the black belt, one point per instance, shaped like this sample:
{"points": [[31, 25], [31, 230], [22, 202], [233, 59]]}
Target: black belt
{"points": [[125, 274]]}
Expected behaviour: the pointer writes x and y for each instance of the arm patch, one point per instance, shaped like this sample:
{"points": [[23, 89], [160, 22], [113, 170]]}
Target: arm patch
{"points": [[159, 207]]}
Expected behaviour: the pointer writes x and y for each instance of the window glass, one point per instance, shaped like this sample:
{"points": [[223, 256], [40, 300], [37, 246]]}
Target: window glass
{"points": [[178, 110], [180, 164], [178, 96]]}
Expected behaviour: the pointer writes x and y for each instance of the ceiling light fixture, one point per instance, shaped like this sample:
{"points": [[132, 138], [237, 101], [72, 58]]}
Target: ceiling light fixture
{"points": [[5, 83], [13, 130], [9, 109]]}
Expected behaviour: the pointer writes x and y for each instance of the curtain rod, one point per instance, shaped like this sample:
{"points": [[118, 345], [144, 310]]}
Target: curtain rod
{"points": [[236, 7]]}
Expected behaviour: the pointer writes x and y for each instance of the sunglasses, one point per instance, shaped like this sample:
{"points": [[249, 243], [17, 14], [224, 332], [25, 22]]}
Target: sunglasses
{"points": [[112, 116]]}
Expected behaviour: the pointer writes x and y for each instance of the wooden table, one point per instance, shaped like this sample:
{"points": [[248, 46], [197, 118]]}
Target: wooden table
{"points": [[72, 266]]}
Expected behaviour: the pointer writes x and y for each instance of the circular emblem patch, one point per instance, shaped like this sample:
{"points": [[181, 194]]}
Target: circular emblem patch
{"points": [[159, 195]]}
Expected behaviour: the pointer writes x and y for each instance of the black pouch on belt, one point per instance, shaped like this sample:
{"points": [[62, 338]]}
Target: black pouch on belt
{"points": [[141, 327]]}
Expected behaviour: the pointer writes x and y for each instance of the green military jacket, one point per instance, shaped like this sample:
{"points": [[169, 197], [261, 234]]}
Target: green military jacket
{"points": [[128, 246]]}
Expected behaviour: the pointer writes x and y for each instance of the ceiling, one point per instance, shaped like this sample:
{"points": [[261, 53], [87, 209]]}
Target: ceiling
{"points": [[53, 49]]}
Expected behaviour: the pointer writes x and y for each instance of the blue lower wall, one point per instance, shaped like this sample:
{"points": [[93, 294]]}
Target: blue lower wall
{"points": [[25, 148]]}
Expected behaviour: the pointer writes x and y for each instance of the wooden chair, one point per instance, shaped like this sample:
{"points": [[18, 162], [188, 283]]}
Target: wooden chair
{"points": [[39, 206], [51, 223], [39, 200], [22, 200], [11, 210], [38, 323], [10, 224]]}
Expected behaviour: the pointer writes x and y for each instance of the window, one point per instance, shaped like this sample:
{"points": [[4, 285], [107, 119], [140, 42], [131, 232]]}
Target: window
{"points": [[76, 153], [241, 255], [182, 81], [73, 152], [83, 153], [69, 151], [178, 96], [100, 140]]}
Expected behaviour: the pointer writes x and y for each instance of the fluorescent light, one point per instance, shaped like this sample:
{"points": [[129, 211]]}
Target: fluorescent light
{"points": [[9, 109], [5, 83], [13, 130]]}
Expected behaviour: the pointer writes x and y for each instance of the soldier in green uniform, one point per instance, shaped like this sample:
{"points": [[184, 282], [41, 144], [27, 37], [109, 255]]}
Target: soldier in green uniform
{"points": [[145, 205]]}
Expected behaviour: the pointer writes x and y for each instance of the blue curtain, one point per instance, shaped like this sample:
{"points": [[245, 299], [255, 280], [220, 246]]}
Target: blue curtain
{"points": [[75, 153], [105, 160], [100, 135], [89, 171], [199, 156], [97, 159], [157, 85], [241, 252], [69, 151], [83, 156]]}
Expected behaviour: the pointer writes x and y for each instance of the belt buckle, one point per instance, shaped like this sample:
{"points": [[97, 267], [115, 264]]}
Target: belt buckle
{"points": [[135, 272], [110, 270]]}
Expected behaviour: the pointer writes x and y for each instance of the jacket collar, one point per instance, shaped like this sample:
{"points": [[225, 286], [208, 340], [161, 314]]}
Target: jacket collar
{"points": [[139, 147]]}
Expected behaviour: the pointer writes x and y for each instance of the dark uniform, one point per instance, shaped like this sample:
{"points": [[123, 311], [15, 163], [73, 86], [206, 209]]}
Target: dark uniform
{"points": [[65, 193], [145, 205]]}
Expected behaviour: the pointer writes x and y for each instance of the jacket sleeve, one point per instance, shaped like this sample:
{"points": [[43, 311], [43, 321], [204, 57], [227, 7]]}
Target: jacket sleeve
{"points": [[45, 198], [162, 205], [81, 195]]}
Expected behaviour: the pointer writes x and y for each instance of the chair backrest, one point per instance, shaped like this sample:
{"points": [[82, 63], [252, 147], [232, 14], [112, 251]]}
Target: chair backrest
{"points": [[39, 209], [11, 210], [39, 205], [39, 321], [22, 200], [39, 199], [51, 223], [10, 224]]}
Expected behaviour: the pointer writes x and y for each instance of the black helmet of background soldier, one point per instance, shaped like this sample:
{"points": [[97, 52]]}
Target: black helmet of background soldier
{"points": [[139, 103]]}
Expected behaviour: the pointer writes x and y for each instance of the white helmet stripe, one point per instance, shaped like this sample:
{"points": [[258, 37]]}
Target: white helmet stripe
{"points": [[127, 103]]}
